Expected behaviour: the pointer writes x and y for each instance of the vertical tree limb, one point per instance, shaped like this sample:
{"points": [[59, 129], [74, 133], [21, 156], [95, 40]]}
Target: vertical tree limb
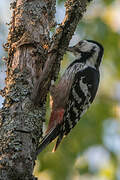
{"points": [[21, 121], [60, 41]]}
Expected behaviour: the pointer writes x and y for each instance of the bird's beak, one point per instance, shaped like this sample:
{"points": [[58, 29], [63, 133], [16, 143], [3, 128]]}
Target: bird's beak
{"points": [[70, 49]]}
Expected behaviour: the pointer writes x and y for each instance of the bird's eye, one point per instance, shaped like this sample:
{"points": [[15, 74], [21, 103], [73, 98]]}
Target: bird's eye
{"points": [[80, 43]]}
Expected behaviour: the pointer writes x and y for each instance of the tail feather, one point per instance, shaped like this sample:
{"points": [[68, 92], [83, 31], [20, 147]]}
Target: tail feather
{"points": [[58, 142], [49, 137]]}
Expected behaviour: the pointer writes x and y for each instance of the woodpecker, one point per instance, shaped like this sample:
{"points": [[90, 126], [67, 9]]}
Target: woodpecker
{"points": [[74, 92]]}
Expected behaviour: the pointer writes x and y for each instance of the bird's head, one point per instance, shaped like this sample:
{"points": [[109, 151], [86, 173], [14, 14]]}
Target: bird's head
{"points": [[89, 52]]}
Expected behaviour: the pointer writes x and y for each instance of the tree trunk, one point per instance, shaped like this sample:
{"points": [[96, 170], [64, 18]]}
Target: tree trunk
{"points": [[33, 61]]}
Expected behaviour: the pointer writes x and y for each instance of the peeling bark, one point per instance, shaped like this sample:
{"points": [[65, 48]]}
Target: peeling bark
{"points": [[33, 61]]}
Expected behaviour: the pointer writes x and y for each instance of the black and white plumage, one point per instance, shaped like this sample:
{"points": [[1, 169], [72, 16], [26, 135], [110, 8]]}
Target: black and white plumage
{"points": [[74, 92]]}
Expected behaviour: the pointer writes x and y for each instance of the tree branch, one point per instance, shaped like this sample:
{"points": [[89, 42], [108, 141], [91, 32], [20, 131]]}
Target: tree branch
{"points": [[60, 42]]}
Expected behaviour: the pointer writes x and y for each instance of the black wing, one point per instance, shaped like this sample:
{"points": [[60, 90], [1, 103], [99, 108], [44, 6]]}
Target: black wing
{"points": [[82, 94]]}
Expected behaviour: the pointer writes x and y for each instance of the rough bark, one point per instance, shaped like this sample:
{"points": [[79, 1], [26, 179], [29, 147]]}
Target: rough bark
{"points": [[33, 61]]}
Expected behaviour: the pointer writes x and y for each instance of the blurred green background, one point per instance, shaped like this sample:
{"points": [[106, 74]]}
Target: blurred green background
{"points": [[92, 150]]}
